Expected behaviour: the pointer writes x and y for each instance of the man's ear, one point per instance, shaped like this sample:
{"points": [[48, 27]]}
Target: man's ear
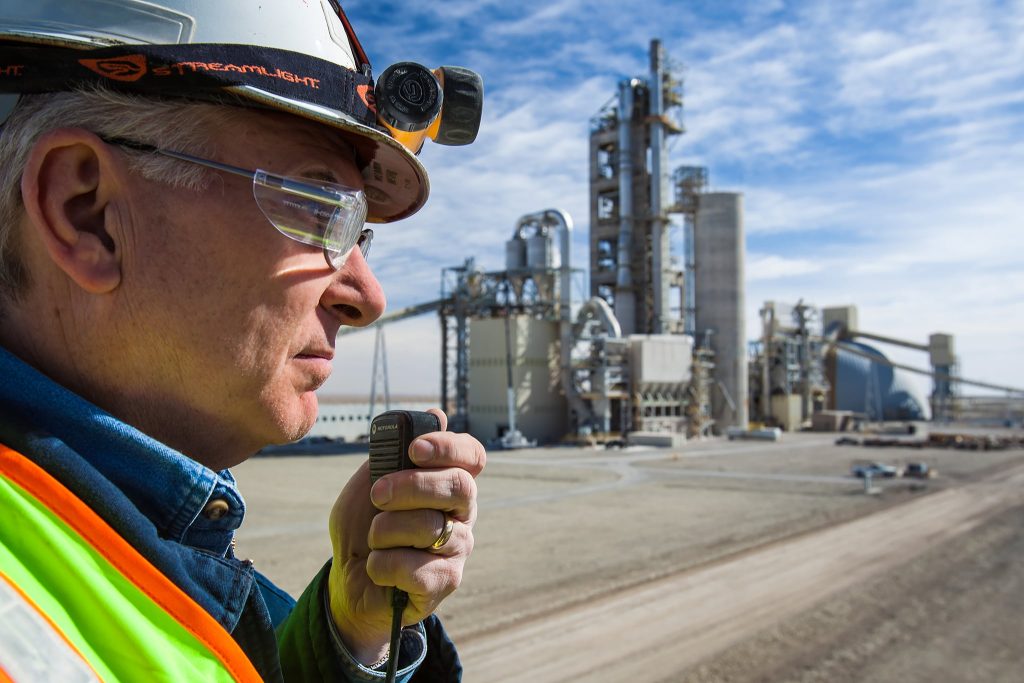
{"points": [[70, 178]]}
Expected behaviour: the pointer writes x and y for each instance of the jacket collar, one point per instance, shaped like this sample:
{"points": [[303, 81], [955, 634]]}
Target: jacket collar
{"points": [[166, 486]]}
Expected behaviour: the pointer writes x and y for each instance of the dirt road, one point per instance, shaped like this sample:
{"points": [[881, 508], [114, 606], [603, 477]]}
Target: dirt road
{"points": [[660, 631]]}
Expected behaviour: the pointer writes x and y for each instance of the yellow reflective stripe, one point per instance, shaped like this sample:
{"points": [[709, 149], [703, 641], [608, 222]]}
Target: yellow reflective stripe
{"points": [[128, 619], [32, 647]]}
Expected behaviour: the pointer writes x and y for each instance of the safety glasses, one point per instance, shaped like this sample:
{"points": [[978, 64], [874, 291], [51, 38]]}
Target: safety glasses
{"points": [[314, 212]]}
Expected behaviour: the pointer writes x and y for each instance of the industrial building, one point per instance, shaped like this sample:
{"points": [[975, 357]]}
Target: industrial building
{"points": [[659, 352], [811, 360]]}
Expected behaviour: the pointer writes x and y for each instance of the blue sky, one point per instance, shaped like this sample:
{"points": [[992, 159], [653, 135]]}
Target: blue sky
{"points": [[879, 147]]}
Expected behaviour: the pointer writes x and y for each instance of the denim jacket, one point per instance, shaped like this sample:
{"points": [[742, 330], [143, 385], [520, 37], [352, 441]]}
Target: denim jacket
{"points": [[159, 500]]}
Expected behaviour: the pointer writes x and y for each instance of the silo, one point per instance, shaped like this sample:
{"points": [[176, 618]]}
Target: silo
{"points": [[540, 402], [540, 260], [719, 298], [538, 251], [515, 254]]}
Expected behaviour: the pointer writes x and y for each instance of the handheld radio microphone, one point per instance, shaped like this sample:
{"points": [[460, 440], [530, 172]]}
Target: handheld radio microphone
{"points": [[391, 434]]}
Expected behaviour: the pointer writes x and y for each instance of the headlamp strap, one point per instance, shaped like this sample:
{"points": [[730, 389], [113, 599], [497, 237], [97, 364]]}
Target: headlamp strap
{"points": [[199, 70]]}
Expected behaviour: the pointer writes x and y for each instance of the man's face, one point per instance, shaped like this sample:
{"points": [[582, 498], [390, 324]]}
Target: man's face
{"points": [[234, 322]]}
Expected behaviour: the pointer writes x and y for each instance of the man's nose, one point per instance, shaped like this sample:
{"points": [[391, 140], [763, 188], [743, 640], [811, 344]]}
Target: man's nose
{"points": [[354, 294]]}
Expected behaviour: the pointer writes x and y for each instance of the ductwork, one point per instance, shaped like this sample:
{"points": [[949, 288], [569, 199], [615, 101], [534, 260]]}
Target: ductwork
{"points": [[599, 413], [597, 308], [562, 221]]}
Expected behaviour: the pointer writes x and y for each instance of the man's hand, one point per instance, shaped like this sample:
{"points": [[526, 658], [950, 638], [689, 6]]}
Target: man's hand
{"points": [[387, 542]]}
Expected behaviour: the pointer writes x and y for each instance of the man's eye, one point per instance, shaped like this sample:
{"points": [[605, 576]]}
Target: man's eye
{"points": [[322, 176], [315, 209]]}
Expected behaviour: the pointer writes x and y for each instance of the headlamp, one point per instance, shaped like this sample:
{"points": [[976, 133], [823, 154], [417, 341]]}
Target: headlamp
{"points": [[415, 103], [299, 58]]}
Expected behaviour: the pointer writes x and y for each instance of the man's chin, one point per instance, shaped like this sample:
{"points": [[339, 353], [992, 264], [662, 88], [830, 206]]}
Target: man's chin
{"points": [[296, 420], [310, 408]]}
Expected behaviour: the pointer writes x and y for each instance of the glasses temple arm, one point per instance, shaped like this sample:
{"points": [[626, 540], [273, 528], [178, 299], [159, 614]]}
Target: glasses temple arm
{"points": [[279, 182], [143, 147]]}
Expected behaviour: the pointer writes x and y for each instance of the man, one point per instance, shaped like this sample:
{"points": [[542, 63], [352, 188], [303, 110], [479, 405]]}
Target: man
{"points": [[181, 237]]}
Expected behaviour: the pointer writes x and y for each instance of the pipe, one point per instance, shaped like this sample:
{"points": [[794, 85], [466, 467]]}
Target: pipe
{"points": [[560, 219], [853, 334], [509, 384], [625, 297], [690, 280], [522, 224], [658, 248], [767, 316], [563, 221], [597, 308]]}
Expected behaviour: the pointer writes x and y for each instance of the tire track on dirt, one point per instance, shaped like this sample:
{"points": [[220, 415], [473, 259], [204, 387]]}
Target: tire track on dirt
{"points": [[649, 631]]}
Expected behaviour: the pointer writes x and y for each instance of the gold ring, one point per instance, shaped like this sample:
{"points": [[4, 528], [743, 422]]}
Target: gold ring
{"points": [[446, 533]]}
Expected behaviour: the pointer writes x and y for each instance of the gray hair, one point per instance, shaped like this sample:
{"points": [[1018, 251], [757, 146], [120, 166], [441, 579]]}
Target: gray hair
{"points": [[173, 124]]}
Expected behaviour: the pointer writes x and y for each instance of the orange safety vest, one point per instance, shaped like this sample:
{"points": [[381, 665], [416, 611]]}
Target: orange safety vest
{"points": [[79, 603]]}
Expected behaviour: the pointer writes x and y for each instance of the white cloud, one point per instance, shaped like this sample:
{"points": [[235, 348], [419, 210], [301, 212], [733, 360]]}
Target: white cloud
{"points": [[805, 208], [547, 17], [774, 267]]}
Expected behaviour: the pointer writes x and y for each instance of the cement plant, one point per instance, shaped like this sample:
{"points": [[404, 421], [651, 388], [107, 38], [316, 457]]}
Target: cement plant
{"points": [[670, 495]]}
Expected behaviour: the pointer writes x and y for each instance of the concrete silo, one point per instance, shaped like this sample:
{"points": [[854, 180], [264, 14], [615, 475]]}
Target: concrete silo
{"points": [[719, 302], [539, 400]]}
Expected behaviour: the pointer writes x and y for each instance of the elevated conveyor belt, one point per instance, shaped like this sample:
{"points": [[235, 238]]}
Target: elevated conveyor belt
{"points": [[401, 314], [850, 348]]}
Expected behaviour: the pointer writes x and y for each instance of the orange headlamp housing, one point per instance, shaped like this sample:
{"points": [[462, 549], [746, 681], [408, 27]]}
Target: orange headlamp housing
{"points": [[414, 104]]}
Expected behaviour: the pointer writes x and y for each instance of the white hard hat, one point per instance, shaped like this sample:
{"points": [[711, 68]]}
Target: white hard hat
{"points": [[297, 56]]}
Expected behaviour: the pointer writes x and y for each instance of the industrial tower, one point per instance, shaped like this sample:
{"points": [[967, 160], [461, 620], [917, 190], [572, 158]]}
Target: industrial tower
{"points": [[630, 263], [629, 207]]}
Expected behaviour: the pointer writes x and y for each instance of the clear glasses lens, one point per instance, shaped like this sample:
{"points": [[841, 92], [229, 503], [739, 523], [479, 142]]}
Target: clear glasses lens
{"points": [[365, 239], [313, 212], [337, 258]]}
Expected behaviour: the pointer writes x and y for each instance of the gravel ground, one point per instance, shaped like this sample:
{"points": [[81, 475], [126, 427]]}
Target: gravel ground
{"points": [[951, 614], [560, 528]]}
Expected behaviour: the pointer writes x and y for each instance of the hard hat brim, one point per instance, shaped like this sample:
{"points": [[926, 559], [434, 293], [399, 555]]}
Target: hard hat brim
{"points": [[396, 183]]}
